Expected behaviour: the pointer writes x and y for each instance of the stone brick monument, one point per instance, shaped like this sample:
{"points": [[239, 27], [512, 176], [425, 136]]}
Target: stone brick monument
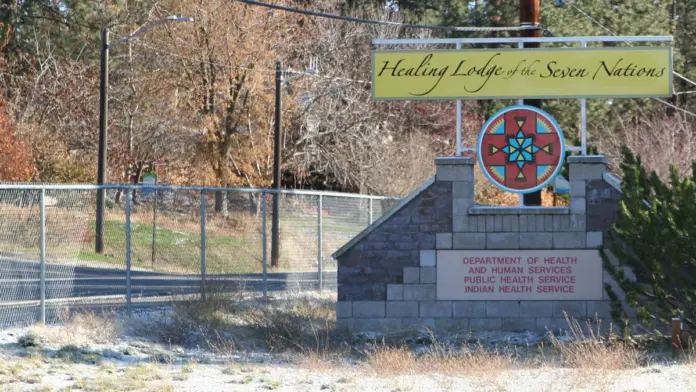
{"points": [[439, 260]]}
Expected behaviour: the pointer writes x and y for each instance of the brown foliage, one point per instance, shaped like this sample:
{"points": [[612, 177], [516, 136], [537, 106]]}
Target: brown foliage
{"points": [[15, 158]]}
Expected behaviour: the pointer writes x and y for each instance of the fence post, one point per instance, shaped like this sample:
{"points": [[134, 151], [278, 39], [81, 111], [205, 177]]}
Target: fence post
{"points": [[42, 247], [320, 230], [371, 210], [677, 326], [128, 249], [264, 237], [154, 231], [203, 213]]}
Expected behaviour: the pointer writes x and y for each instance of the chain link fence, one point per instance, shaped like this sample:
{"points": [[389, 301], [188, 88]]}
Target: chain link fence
{"points": [[165, 241]]}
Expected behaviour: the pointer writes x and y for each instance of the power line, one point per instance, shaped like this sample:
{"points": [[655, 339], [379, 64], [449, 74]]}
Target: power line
{"points": [[272, 71], [385, 22], [677, 74], [254, 69], [595, 21], [675, 107], [592, 19]]}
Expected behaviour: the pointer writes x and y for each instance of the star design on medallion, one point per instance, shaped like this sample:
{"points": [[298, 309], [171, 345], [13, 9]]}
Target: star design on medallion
{"points": [[520, 148]]}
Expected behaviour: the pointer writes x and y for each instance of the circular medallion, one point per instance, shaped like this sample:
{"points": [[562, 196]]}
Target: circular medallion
{"points": [[521, 149]]}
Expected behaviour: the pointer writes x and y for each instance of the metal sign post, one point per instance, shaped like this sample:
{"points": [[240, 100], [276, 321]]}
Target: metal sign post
{"points": [[459, 118]]}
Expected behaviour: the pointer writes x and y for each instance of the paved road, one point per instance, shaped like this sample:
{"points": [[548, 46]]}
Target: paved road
{"points": [[19, 281]]}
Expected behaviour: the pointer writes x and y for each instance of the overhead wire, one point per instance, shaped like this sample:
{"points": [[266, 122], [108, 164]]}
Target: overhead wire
{"points": [[595, 21], [255, 69], [675, 107], [383, 22], [386, 22]]}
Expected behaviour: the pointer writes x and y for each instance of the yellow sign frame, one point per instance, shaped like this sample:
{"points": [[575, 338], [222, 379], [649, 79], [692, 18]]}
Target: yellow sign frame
{"points": [[502, 89]]}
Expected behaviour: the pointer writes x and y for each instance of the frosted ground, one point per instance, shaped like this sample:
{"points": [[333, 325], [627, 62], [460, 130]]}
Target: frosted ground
{"points": [[286, 346]]}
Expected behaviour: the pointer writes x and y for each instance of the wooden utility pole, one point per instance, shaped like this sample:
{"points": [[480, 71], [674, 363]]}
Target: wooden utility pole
{"points": [[275, 223], [530, 15]]}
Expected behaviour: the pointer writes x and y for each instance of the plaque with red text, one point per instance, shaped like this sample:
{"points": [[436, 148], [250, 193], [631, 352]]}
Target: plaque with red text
{"points": [[549, 275]]}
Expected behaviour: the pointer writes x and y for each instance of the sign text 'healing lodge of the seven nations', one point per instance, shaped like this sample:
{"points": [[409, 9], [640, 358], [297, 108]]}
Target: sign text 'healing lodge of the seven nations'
{"points": [[517, 73], [519, 275]]}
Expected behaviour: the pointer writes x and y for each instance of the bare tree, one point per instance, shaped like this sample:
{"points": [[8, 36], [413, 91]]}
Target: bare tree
{"points": [[226, 68], [367, 146], [660, 141]]}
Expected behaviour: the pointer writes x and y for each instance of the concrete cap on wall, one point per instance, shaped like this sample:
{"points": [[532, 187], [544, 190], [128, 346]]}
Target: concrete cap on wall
{"points": [[470, 161], [588, 159]]}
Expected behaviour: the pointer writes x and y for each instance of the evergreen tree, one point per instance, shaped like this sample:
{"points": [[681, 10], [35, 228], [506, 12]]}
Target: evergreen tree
{"points": [[684, 21], [654, 237], [68, 25], [621, 17]]}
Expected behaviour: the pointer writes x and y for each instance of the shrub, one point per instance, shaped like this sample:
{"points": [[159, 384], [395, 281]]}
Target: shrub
{"points": [[655, 236], [30, 339]]}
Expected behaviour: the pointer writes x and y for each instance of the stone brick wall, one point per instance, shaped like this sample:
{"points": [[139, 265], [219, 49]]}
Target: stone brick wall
{"points": [[387, 274]]}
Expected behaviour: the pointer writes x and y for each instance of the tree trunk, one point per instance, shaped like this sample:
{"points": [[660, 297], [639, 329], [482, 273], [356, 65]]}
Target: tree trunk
{"points": [[138, 172], [221, 203], [220, 196], [255, 203]]}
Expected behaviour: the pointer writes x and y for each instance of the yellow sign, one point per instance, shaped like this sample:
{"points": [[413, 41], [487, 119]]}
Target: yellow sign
{"points": [[522, 73]]}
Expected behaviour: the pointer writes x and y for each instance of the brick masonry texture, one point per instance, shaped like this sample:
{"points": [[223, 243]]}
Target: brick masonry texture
{"points": [[420, 292], [502, 309], [469, 309], [602, 205], [428, 275], [427, 258], [387, 279], [402, 309], [436, 309], [380, 257], [368, 309], [443, 240], [411, 275], [469, 241], [344, 309], [570, 308], [518, 324], [395, 292], [536, 308], [536, 240]]}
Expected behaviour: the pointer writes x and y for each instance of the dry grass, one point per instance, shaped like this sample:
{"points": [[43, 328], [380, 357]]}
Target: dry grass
{"points": [[131, 378], [202, 320], [227, 320], [440, 359], [20, 225], [593, 361], [484, 368], [80, 328], [236, 222], [587, 362], [304, 325], [26, 370], [596, 361], [590, 350]]}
